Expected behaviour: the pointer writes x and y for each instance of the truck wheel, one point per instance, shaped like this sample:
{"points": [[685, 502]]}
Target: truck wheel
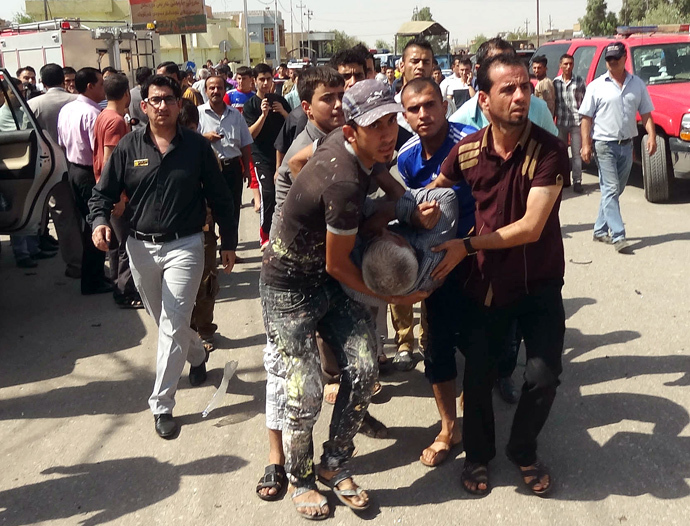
{"points": [[655, 171]]}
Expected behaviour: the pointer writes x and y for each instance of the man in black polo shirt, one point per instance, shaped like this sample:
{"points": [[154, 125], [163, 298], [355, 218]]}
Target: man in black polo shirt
{"points": [[168, 174], [265, 114], [516, 172]]}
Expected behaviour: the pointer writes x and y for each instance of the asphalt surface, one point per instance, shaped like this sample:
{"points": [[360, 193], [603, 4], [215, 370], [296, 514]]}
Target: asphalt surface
{"points": [[77, 443]]}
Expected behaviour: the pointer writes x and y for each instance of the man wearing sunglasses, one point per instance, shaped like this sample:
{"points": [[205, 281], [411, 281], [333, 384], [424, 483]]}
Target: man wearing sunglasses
{"points": [[168, 173], [608, 119]]}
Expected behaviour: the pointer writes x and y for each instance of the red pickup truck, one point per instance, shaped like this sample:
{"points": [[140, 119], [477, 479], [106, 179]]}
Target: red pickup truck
{"points": [[663, 62]]}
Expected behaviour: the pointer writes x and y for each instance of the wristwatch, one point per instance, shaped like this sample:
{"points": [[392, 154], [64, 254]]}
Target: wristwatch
{"points": [[471, 251]]}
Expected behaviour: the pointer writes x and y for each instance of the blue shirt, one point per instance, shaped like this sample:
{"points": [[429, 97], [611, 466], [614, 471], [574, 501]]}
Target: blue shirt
{"points": [[418, 172], [613, 108], [471, 114]]}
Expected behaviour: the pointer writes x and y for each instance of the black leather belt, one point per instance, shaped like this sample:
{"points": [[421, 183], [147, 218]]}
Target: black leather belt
{"points": [[228, 162], [163, 238]]}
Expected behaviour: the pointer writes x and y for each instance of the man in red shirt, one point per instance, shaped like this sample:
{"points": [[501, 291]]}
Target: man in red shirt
{"points": [[110, 127]]}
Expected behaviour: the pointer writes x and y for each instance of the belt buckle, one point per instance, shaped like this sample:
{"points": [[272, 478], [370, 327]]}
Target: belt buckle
{"points": [[153, 238]]}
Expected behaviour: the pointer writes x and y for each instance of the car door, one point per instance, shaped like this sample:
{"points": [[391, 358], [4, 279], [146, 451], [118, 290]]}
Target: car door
{"points": [[30, 165]]}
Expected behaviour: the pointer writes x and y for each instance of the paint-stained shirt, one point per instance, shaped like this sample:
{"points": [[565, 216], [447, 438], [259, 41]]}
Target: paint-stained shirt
{"points": [[328, 196]]}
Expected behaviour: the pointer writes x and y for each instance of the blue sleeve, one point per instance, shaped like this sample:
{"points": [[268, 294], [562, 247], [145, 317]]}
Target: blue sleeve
{"points": [[540, 115]]}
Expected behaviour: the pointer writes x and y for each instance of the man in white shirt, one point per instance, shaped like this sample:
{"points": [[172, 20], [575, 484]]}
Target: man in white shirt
{"points": [[458, 87]]}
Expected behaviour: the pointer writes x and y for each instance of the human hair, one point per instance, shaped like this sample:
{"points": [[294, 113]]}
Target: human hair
{"points": [[389, 269], [565, 56], [420, 43], [224, 69], [419, 85], [312, 78], [436, 68], [25, 68], [262, 69], [142, 73], [116, 86], [464, 61], [348, 56], [84, 77], [540, 59], [484, 81], [160, 81], [189, 114], [69, 70], [493, 44], [282, 65], [108, 69], [52, 75], [170, 68], [245, 71], [203, 74]]}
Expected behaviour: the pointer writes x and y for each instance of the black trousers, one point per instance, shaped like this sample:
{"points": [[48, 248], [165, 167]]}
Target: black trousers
{"points": [[485, 334], [120, 273], [265, 173], [232, 172], [82, 181]]}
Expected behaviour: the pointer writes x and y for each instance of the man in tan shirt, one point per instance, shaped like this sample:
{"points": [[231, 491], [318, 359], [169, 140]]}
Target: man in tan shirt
{"points": [[544, 88]]}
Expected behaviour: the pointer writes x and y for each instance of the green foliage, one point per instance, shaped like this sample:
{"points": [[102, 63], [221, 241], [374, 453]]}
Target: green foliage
{"points": [[382, 44], [661, 14], [478, 41], [598, 20], [341, 41], [22, 18], [424, 14]]}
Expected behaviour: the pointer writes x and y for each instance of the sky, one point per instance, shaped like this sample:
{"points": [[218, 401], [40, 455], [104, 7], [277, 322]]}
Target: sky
{"points": [[371, 20]]}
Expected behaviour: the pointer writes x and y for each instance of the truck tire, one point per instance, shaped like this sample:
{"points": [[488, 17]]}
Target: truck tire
{"points": [[655, 171]]}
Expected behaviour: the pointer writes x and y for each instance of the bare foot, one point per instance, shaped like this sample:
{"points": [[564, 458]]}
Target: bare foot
{"points": [[330, 393]]}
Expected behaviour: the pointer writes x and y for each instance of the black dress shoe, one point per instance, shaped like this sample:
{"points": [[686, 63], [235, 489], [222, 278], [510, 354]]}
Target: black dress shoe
{"points": [[48, 243], [197, 374], [44, 254], [73, 273], [26, 263], [165, 425], [507, 390], [101, 288]]}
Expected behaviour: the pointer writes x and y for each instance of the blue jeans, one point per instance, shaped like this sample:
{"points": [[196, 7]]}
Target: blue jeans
{"points": [[614, 161], [24, 246]]}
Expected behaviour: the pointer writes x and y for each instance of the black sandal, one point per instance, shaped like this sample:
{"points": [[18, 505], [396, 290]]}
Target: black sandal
{"points": [[475, 474], [274, 477], [536, 471], [372, 427]]}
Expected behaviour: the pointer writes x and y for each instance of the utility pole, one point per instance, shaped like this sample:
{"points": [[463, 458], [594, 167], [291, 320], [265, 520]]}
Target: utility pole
{"points": [[310, 13], [527, 26], [276, 34], [301, 30], [45, 10], [537, 23], [247, 58], [292, 34], [550, 23]]}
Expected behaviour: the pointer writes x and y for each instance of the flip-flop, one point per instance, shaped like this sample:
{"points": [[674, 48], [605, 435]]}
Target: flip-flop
{"points": [[442, 454], [343, 495], [323, 502], [274, 477]]}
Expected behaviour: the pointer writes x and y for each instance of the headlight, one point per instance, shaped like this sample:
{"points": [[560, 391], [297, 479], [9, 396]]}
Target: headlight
{"points": [[685, 127]]}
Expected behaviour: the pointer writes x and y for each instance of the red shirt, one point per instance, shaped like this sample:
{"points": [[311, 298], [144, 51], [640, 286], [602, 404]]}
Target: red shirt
{"points": [[500, 188], [109, 128]]}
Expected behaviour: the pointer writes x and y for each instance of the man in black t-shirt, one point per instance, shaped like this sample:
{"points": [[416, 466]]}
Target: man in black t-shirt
{"points": [[265, 114], [308, 255]]}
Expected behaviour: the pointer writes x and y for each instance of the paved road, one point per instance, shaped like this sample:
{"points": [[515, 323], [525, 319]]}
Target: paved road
{"points": [[78, 447]]}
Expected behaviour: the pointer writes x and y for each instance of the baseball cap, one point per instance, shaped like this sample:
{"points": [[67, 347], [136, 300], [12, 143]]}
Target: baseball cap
{"points": [[615, 50], [368, 101]]}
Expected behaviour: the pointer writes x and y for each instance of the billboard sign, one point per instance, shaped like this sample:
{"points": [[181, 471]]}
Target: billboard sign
{"points": [[172, 17]]}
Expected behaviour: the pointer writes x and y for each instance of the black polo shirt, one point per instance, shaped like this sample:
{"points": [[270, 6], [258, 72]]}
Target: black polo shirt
{"points": [[167, 193], [500, 189], [263, 150]]}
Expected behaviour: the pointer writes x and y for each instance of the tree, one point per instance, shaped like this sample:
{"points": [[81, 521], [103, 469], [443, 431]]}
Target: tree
{"points": [[22, 18], [661, 14], [598, 20], [476, 42], [634, 10], [341, 41], [382, 44], [423, 14]]}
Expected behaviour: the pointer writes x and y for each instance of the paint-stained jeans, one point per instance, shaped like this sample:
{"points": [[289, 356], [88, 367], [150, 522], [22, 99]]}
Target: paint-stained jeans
{"points": [[292, 318]]}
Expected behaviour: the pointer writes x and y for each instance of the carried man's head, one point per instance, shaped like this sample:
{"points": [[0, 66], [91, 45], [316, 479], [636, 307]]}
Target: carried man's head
{"points": [[321, 91], [371, 121], [504, 90], [389, 265], [425, 107]]}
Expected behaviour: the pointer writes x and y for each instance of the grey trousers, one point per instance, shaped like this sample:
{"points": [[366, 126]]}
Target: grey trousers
{"points": [[167, 276], [67, 221]]}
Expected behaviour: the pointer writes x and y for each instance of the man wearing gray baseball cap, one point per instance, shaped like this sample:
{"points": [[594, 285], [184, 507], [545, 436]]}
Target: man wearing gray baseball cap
{"points": [[308, 254]]}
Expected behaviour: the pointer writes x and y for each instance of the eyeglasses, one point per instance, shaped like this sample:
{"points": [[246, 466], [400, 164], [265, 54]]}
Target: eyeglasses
{"points": [[347, 76], [157, 101]]}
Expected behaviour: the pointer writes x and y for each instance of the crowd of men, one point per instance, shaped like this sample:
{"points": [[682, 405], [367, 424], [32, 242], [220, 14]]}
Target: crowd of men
{"points": [[375, 192]]}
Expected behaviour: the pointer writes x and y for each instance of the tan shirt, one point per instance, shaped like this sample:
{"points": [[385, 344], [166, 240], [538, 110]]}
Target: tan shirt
{"points": [[546, 91]]}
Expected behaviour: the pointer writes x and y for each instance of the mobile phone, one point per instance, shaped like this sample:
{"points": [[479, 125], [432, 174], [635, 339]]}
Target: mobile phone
{"points": [[272, 97]]}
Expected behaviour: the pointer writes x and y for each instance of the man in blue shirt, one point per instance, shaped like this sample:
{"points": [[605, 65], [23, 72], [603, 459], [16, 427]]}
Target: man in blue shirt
{"points": [[419, 163], [610, 106]]}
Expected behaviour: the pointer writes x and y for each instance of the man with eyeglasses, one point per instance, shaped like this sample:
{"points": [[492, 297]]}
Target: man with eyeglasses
{"points": [[168, 173], [608, 113]]}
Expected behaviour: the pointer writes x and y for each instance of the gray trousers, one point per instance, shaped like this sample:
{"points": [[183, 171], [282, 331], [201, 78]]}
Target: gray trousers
{"points": [[65, 216], [167, 276]]}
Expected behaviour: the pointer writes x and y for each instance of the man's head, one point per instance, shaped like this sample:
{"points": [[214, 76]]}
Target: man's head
{"points": [[27, 75], [263, 77], [567, 63], [224, 71], [491, 48], [282, 71], [389, 265], [425, 107], [70, 75], [615, 58], [245, 77], [437, 74], [390, 74], [215, 89], [169, 69], [89, 82], [161, 100], [539, 63], [107, 71], [52, 76], [417, 60], [504, 90], [116, 88], [462, 67], [321, 91], [351, 65], [370, 72], [142, 74], [371, 121], [189, 115]]}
